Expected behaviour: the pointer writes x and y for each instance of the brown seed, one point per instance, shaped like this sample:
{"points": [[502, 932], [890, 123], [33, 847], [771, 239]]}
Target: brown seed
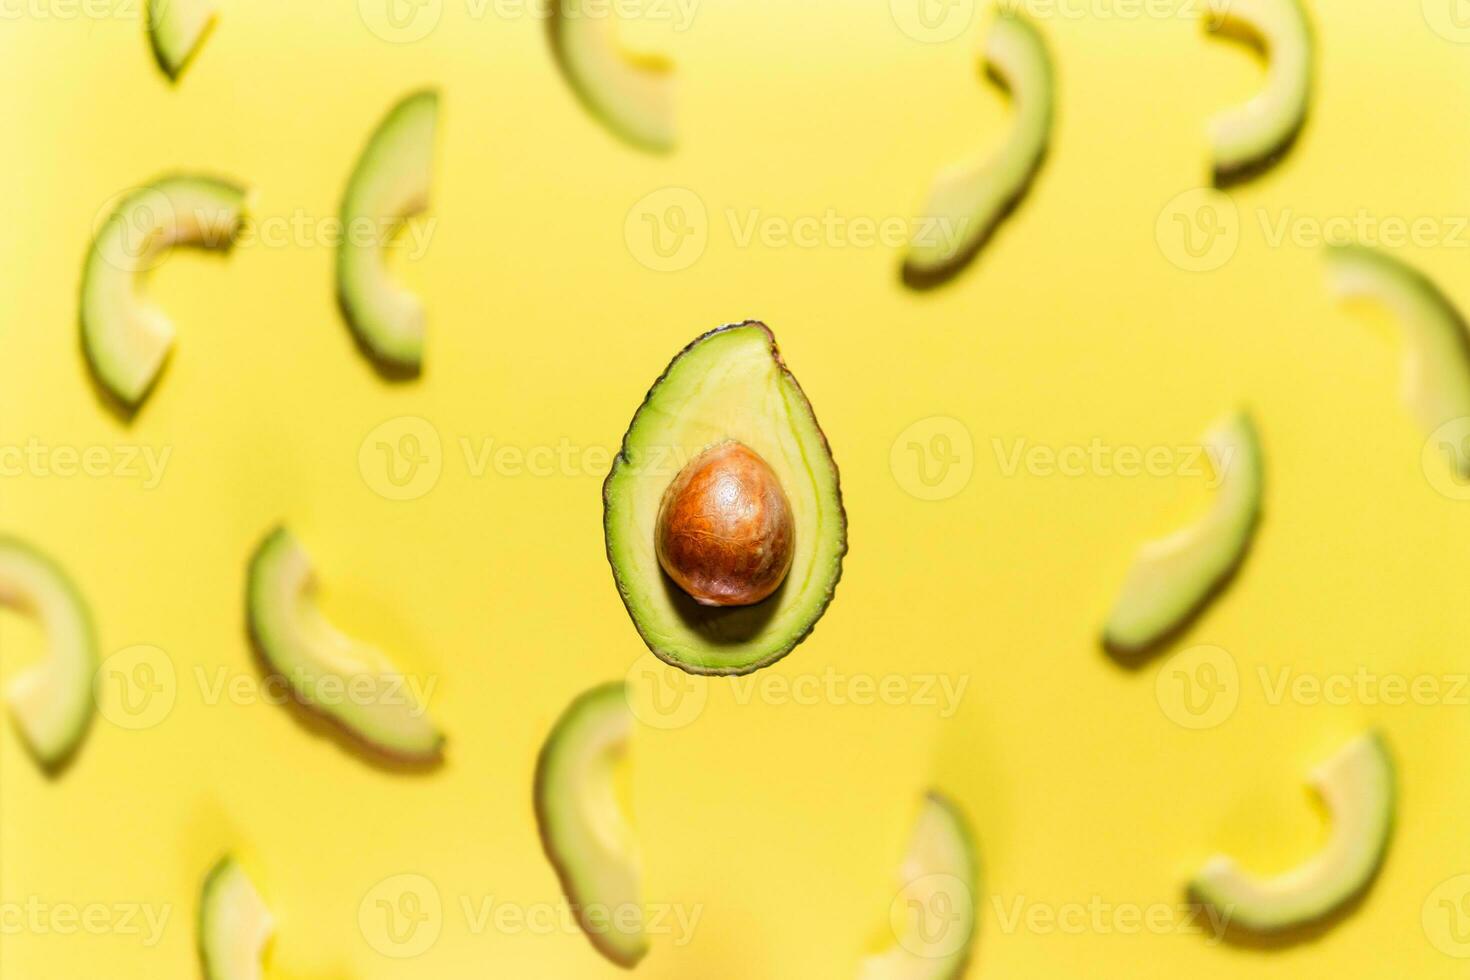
{"points": [[725, 532]]}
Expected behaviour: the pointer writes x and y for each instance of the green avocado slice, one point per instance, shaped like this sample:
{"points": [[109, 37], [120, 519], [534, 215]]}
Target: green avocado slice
{"points": [[968, 200], [234, 924], [939, 878], [177, 28], [1357, 787], [127, 338], [1436, 360], [728, 384], [632, 96], [390, 185], [1173, 578], [351, 683], [51, 701], [1250, 136], [584, 829]]}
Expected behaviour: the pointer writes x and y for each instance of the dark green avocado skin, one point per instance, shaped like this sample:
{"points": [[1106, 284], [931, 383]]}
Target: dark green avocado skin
{"points": [[624, 458]]}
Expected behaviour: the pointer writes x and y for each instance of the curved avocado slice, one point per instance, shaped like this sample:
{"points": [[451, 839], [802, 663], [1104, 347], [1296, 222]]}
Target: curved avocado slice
{"points": [[390, 185], [585, 832], [632, 96], [51, 701], [1357, 787], [125, 337], [1173, 578], [1436, 361], [177, 28], [1248, 137], [351, 683], [234, 924], [940, 875], [728, 384], [969, 199]]}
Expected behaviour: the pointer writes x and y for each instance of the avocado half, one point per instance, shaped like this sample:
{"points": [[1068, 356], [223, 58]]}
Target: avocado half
{"points": [[389, 185], [126, 338], [51, 701], [1357, 787], [234, 924], [349, 682], [730, 383], [1246, 139], [1175, 577], [1436, 358], [940, 874], [584, 829], [177, 29]]}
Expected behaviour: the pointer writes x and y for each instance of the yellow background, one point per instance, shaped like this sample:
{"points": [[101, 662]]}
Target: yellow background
{"points": [[784, 821]]}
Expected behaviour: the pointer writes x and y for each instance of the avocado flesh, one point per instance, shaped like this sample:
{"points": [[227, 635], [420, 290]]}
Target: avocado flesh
{"points": [[968, 200], [177, 28], [943, 847], [585, 832], [127, 338], [368, 696], [1436, 360], [51, 701], [1357, 787], [729, 384], [390, 185], [632, 96], [1248, 135], [1173, 577], [234, 925]]}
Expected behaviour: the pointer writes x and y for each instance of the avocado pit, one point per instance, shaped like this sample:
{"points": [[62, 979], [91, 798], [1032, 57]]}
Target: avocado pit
{"points": [[725, 533]]}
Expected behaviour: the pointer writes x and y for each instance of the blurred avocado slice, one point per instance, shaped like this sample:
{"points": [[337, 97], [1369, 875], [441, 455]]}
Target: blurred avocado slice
{"points": [[584, 829], [1357, 787], [234, 924], [51, 701], [1173, 578], [934, 916], [177, 29], [632, 96], [968, 200], [1249, 137], [729, 384]]}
